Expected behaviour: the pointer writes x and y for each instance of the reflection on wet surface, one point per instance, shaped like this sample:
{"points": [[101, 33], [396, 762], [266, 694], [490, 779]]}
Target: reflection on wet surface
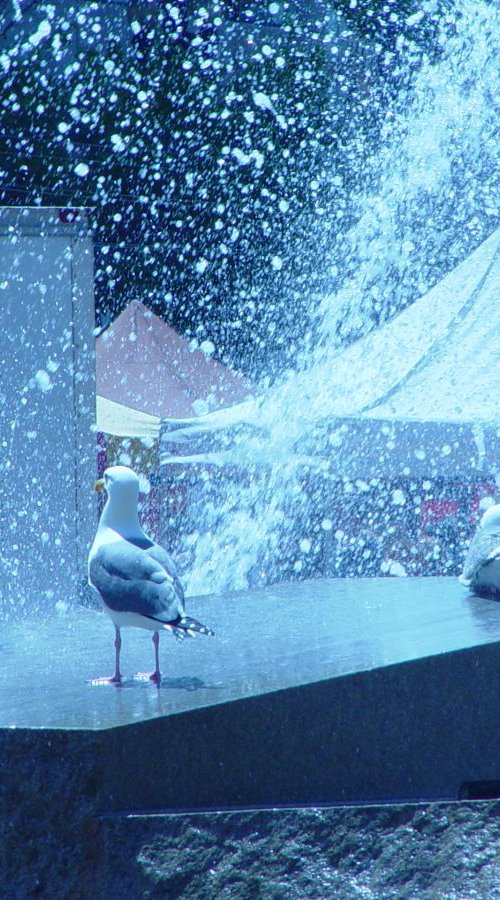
{"points": [[265, 640], [182, 684]]}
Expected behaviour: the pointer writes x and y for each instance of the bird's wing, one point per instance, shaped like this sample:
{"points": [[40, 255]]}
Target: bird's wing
{"points": [[160, 555], [484, 547], [130, 580]]}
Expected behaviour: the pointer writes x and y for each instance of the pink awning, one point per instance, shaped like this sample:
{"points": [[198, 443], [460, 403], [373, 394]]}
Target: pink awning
{"points": [[143, 363]]}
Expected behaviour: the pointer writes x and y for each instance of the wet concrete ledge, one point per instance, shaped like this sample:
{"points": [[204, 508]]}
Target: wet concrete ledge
{"points": [[320, 692]]}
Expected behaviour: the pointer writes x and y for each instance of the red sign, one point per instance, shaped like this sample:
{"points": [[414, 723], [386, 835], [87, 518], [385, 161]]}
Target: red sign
{"points": [[433, 511], [68, 215]]}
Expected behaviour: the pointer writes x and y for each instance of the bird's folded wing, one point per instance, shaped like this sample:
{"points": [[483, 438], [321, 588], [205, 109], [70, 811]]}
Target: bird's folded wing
{"points": [[161, 556], [484, 547], [129, 580]]}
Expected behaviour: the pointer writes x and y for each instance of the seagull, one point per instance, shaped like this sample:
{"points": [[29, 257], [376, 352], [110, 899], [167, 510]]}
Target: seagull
{"points": [[135, 578], [482, 564]]}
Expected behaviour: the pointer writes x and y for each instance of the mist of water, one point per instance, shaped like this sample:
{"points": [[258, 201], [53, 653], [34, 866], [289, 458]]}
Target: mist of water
{"points": [[430, 196]]}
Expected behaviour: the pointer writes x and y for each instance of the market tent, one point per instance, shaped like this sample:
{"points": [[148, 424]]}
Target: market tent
{"points": [[438, 360], [144, 365], [124, 421], [419, 396], [421, 393], [146, 372]]}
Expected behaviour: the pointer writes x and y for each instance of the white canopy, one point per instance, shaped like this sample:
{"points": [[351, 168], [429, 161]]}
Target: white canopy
{"points": [[418, 396], [123, 421], [439, 360]]}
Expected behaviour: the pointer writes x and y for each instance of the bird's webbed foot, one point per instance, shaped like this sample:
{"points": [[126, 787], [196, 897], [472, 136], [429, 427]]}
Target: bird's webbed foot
{"points": [[115, 679]]}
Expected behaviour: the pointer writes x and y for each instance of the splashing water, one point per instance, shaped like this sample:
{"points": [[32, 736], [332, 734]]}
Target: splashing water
{"points": [[431, 196]]}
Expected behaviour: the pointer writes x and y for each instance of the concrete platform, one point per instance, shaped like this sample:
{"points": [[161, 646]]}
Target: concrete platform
{"points": [[320, 692]]}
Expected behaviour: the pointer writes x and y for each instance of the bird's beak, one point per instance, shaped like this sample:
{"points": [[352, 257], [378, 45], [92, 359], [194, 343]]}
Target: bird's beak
{"points": [[99, 485]]}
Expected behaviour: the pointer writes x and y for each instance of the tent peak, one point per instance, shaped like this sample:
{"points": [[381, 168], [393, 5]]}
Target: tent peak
{"points": [[142, 362]]}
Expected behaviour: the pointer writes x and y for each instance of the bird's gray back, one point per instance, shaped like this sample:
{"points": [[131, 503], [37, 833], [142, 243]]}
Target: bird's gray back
{"points": [[130, 579], [158, 553], [482, 546]]}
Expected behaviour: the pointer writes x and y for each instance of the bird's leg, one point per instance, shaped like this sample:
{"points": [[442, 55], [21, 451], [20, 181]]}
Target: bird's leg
{"points": [[117, 677], [156, 676]]}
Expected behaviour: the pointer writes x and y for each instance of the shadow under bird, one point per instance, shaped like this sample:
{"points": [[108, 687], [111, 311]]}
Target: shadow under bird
{"points": [[482, 564], [135, 578]]}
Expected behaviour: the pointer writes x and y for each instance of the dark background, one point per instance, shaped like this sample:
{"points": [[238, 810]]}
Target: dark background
{"points": [[223, 216]]}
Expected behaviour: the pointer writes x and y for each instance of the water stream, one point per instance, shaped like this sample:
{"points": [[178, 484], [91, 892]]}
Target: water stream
{"points": [[430, 196]]}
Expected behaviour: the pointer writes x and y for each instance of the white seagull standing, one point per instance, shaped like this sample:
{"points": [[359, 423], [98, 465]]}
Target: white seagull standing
{"points": [[482, 564], [135, 578]]}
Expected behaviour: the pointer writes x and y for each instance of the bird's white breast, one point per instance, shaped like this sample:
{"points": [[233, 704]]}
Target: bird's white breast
{"points": [[134, 620]]}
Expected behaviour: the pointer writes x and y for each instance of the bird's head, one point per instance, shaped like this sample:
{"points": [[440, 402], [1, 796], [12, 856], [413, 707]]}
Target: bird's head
{"points": [[120, 482], [491, 518]]}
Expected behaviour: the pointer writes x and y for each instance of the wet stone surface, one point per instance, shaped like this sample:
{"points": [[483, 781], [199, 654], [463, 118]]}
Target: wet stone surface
{"points": [[447, 851]]}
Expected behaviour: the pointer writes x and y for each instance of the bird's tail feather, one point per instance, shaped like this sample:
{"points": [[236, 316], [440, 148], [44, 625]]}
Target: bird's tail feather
{"points": [[185, 627]]}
